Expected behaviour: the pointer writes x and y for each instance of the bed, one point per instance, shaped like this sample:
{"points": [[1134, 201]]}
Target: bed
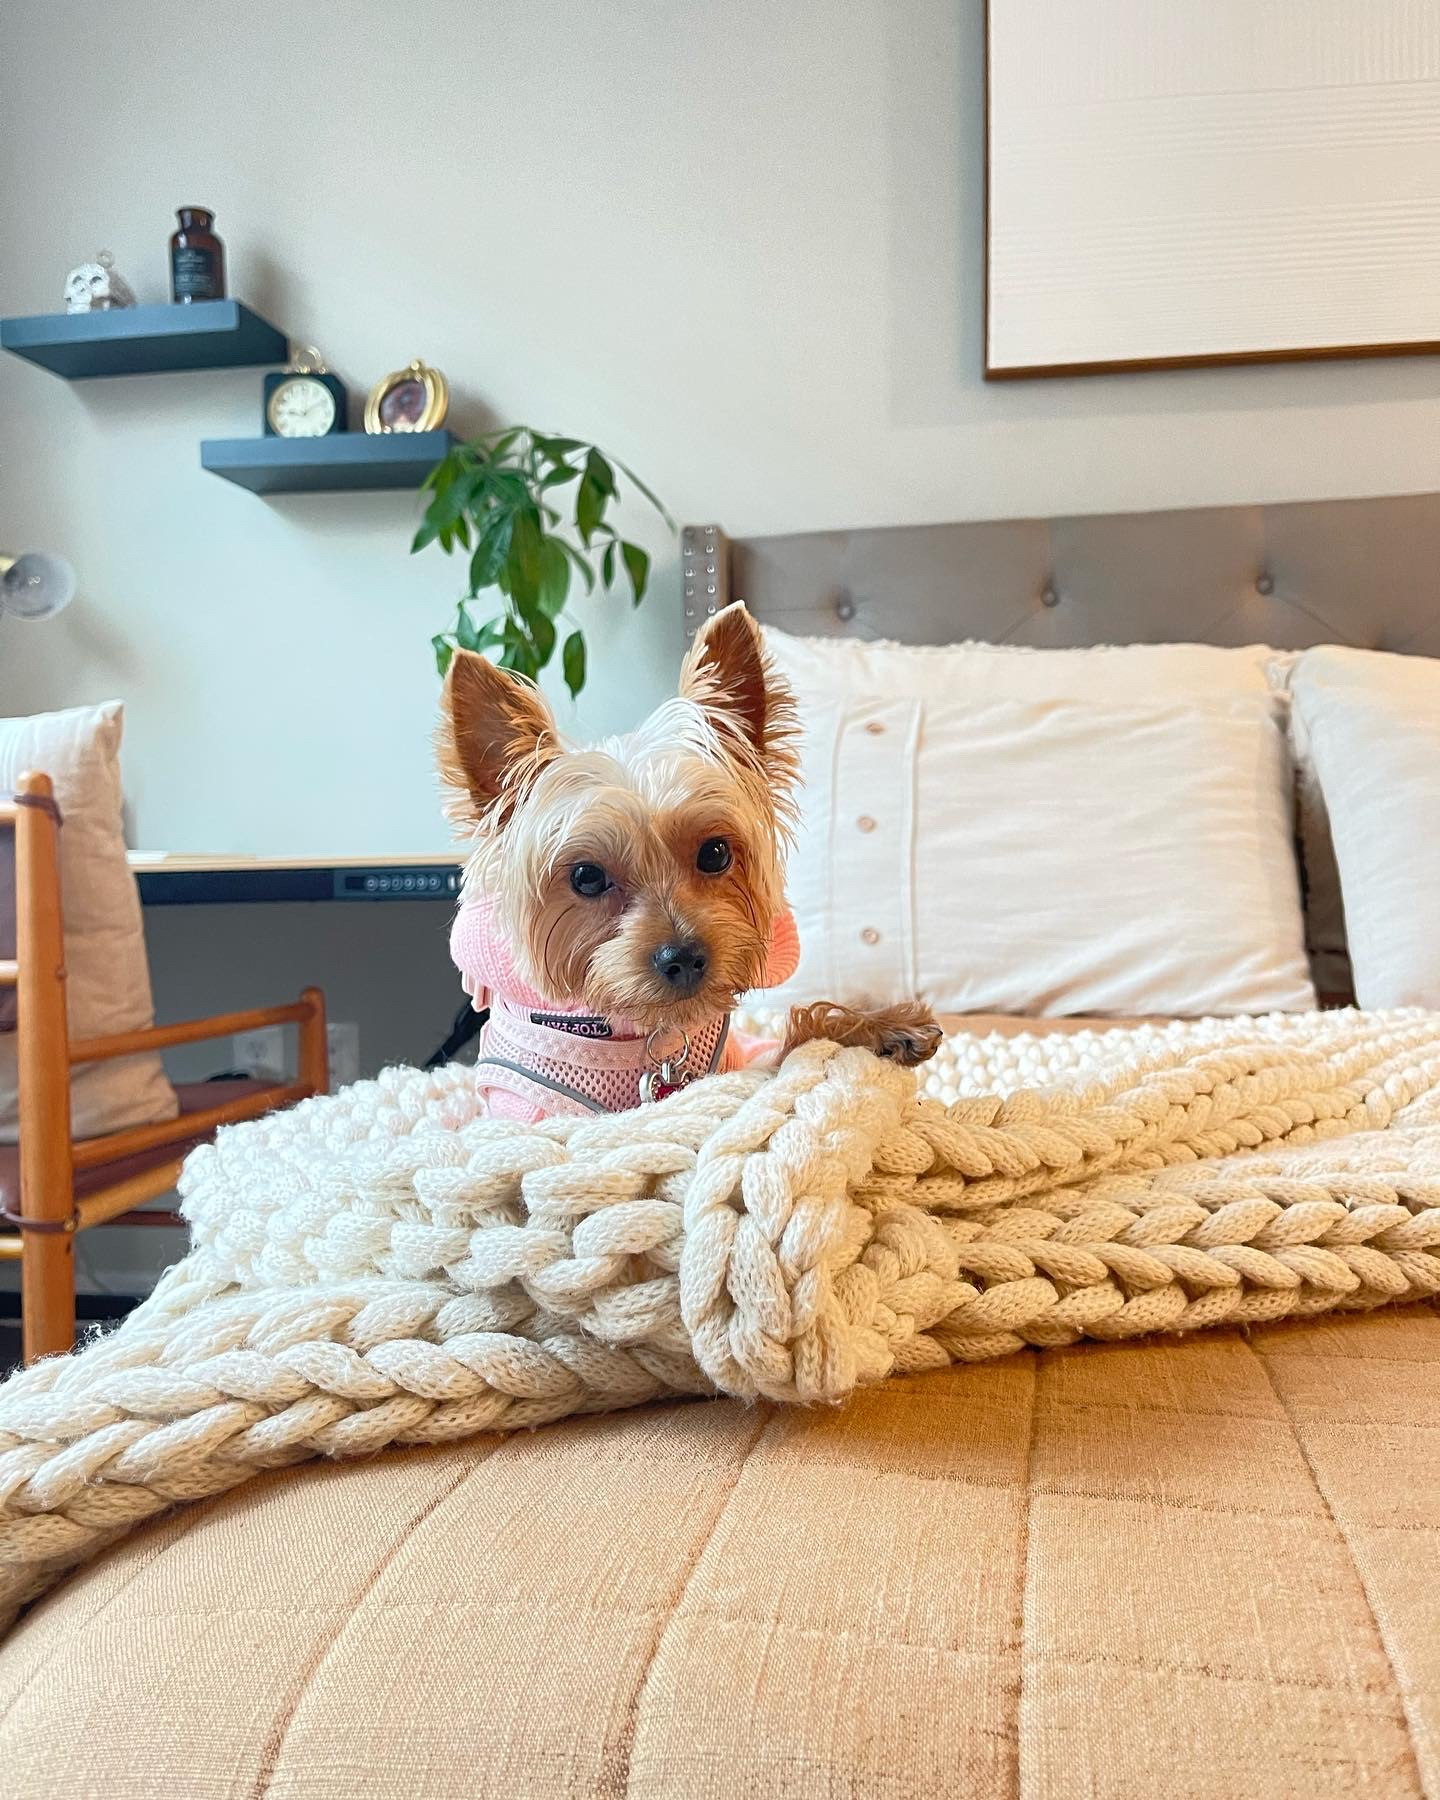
{"points": [[1202, 1567]]}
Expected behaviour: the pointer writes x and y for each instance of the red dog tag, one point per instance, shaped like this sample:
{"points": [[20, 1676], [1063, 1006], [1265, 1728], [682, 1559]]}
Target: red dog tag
{"points": [[661, 1083], [667, 1074]]}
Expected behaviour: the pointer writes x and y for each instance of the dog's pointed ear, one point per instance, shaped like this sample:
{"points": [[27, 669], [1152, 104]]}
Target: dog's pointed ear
{"points": [[495, 729], [729, 673]]}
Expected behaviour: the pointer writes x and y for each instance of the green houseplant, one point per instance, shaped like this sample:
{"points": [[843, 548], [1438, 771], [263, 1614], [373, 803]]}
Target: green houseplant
{"points": [[499, 499]]}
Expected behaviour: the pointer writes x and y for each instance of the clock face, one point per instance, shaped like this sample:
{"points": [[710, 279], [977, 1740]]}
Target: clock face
{"points": [[302, 407]]}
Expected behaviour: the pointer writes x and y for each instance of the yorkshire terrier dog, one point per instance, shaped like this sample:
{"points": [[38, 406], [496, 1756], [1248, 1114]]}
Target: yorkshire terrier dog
{"points": [[620, 898]]}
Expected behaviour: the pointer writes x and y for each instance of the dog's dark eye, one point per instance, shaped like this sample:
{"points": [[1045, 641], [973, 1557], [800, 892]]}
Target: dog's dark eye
{"points": [[589, 880], [714, 857]]}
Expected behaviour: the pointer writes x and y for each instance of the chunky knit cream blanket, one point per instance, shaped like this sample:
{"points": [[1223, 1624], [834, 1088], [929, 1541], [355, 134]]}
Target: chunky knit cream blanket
{"points": [[387, 1267]]}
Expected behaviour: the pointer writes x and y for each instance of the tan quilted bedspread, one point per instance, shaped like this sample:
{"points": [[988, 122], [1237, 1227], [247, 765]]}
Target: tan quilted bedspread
{"points": [[1203, 1567], [1179, 1569]]}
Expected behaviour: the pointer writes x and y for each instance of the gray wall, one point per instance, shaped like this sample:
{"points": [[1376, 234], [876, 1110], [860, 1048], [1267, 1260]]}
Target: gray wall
{"points": [[739, 243]]}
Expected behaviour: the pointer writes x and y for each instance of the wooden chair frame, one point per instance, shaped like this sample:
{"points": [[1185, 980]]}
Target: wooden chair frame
{"points": [[49, 1212]]}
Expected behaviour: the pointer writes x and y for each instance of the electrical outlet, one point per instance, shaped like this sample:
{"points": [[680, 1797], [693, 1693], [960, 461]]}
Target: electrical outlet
{"points": [[262, 1053], [267, 1054], [344, 1040]]}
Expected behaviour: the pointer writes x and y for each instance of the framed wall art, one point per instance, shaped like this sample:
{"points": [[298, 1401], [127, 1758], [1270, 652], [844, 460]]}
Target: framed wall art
{"points": [[1210, 181]]}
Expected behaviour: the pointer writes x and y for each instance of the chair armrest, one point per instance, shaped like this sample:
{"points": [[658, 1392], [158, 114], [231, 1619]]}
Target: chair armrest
{"points": [[195, 1031], [89, 1153]]}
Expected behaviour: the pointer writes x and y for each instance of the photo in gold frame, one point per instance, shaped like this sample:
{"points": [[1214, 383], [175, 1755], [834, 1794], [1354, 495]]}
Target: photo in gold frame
{"points": [[415, 398]]}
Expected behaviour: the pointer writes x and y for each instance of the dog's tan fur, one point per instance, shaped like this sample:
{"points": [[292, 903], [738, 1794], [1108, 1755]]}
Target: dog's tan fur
{"points": [[719, 760], [907, 1032]]}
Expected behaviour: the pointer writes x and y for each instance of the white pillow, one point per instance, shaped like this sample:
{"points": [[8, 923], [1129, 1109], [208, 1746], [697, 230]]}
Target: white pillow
{"points": [[108, 989], [1018, 672], [1100, 831], [1370, 725]]}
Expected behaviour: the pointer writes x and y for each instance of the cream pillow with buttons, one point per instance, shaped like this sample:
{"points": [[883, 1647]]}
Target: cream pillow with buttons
{"points": [[1043, 832], [1370, 725]]}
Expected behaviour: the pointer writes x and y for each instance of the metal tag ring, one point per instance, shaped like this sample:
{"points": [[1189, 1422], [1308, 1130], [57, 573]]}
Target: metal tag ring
{"points": [[667, 1059]]}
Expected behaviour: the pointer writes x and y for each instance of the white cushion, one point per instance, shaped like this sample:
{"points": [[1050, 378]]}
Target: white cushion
{"points": [[1370, 726], [108, 989], [1100, 831], [1018, 672]]}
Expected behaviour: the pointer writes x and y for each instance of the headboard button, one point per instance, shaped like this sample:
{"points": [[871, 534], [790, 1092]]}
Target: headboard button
{"points": [[845, 610], [1264, 584], [1049, 597]]}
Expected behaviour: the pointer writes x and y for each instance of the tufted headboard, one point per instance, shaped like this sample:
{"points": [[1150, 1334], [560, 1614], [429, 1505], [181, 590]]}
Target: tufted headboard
{"points": [[1362, 572]]}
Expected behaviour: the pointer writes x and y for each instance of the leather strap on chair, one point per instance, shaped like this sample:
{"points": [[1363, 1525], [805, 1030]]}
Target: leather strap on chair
{"points": [[43, 1226], [42, 803]]}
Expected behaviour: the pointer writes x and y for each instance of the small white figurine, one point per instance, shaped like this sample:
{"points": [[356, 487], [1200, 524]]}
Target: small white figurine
{"points": [[95, 287]]}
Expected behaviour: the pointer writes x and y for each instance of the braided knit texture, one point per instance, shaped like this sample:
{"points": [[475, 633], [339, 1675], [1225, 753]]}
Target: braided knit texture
{"points": [[387, 1266]]}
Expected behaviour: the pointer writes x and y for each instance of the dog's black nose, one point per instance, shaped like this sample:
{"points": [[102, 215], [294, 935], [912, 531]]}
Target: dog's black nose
{"points": [[682, 964]]}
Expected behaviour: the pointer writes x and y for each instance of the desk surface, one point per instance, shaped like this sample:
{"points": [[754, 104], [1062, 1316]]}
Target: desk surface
{"points": [[187, 879]]}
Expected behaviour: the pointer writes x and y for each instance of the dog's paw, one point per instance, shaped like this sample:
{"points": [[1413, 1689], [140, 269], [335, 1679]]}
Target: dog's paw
{"points": [[908, 1035]]}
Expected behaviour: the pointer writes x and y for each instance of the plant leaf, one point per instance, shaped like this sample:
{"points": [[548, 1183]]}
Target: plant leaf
{"points": [[490, 634], [445, 471], [519, 654], [491, 550], [572, 661], [488, 496], [637, 567], [587, 573], [470, 636], [523, 563], [589, 507], [554, 577], [542, 636], [555, 449], [558, 476], [499, 442], [444, 517], [509, 487], [600, 472]]}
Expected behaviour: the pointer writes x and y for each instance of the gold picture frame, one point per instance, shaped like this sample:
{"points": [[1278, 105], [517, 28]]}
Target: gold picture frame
{"points": [[415, 398]]}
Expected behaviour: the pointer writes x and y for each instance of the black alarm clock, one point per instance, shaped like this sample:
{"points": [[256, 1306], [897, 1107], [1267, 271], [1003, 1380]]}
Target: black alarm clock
{"points": [[304, 399]]}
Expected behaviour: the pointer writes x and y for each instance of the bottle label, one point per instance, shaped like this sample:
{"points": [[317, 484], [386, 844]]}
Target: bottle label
{"points": [[194, 274]]}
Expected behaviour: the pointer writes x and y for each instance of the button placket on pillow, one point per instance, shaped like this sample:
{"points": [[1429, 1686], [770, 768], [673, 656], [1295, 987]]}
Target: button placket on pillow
{"points": [[871, 836]]}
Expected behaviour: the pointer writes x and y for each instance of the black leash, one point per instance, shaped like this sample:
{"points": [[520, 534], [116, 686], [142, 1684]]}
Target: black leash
{"points": [[466, 1026]]}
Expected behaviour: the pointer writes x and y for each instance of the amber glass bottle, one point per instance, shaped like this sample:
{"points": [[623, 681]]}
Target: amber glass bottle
{"points": [[197, 258]]}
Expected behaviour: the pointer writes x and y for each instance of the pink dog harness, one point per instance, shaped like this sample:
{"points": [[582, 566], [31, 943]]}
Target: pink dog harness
{"points": [[542, 1058]]}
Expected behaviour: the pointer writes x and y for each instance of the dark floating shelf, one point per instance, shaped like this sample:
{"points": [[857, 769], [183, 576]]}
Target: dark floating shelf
{"points": [[347, 462], [146, 340]]}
